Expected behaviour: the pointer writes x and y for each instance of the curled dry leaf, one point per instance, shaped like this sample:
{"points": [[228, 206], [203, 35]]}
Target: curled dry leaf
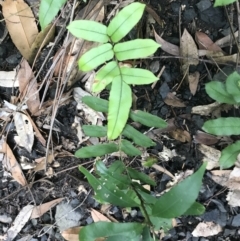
{"points": [[10, 163], [193, 80], [24, 130], [206, 229], [28, 87], [21, 25], [181, 135], [97, 216], [174, 101], [19, 222], [38, 211]]}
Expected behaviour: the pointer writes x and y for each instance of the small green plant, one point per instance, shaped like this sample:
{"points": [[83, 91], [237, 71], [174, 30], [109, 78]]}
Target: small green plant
{"points": [[223, 2], [229, 93], [118, 184]]}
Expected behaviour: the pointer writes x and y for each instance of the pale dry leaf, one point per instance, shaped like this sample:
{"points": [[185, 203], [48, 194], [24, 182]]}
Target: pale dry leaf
{"points": [[97, 216], [205, 138], [71, 234], [24, 130], [181, 135], [221, 177], [233, 198], [204, 42], [21, 25], [28, 87], [19, 222], [8, 79], [38, 211], [166, 46], [173, 100], [10, 163], [163, 170], [206, 229], [229, 59], [234, 179], [209, 155], [193, 79], [41, 162], [225, 41]]}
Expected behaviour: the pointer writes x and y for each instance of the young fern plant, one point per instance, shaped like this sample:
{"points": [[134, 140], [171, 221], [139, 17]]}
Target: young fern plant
{"points": [[228, 93]]}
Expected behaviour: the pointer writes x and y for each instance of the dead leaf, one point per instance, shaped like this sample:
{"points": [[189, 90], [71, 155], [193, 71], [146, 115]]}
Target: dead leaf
{"points": [[204, 42], [11, 164], [163, 170], [8, 79], [174, 101], [205, 138], [28, 87], [24, 130], [225, 41], [233, 198], [21, 25], [166, 46], [221, 177], [71, 234], [193, 80], [19, 222], [229, 59], [206, 229], [181, 135], [43, 208], [234, 179], [97, 216], [210, 155]]}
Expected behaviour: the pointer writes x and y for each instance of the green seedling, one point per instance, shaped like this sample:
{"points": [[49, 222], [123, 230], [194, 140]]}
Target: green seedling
{"points": [[229, 93]]}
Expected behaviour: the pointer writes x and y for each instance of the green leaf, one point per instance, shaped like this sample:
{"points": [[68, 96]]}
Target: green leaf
{"points": [[140, 176], [195, 209], [229, 155], [48, 10], [94, 131], [233, 86], [135, 49], [136, 76], [128, 231], [89, 30], [161, 223], [217, 91], [124, 21], [223, 2], [96, 151], [105, 76], [107, 192], [223, 126], [120, 101], [146, 236], [147, 119], [138, 138], [95, 57], [149, 161], [181, 197], [96, 103], [129, 149], [145, 194]]}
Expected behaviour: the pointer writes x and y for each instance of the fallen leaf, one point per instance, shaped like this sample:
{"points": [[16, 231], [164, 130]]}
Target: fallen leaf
{"points": [[21, 25], [205, 138], [209, 155], [19, 222], [234, 179], [97, 216], [206, 229], [233, 198], [193, 80], [10, 163], [38, 211], [24, 130], [28, 87], [174, 101], [225, 41], [221, 177], [181, 135], [229, 59], [71, 234], [8, 79], [163, 170], [166, 46]]}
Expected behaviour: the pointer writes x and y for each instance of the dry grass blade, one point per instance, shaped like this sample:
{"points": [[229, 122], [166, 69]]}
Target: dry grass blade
{"points": [[11, 164], [21, 25], [97, 216]]}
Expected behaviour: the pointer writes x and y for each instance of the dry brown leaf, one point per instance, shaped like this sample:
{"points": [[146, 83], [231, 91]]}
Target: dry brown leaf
{"points": [[204, 42], [221, 177], [234, 179], [225, 41], [11, 164], [166, 46], [24, 130], [71, 234], [205, 138], [8, 79], [28, 87], [193, 80], [97, 216], [163, 170], [21, 25], [233, 198], [181, 135], [206, 229], [210, 155], [174, 101], [38, 211], [229, 59]]}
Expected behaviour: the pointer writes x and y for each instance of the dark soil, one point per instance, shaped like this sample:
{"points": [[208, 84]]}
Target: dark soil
{"points": [[67, 180]]}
